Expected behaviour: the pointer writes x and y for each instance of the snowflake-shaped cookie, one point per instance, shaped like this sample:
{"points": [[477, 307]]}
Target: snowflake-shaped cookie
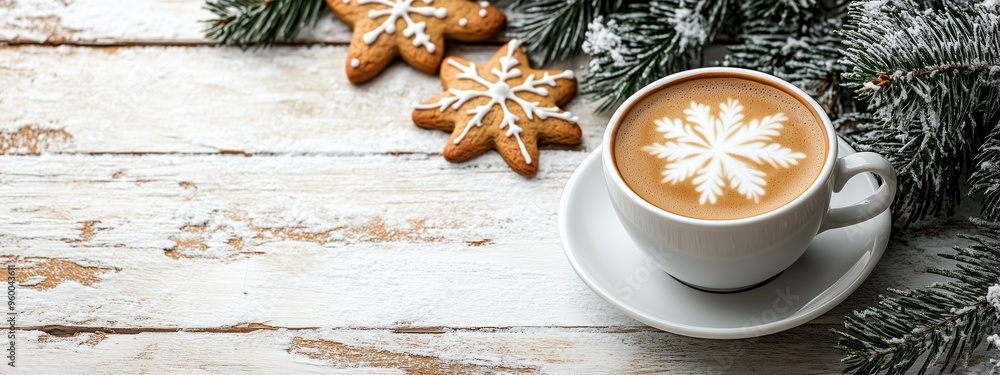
{"points": [[412, 29], [504, 105], [722, 150]]}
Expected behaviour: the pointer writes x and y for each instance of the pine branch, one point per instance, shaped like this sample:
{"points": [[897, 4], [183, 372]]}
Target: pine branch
{"points": [[931, 79], [986, 179], [556, 28], [929, 174], [798, 41], [245, 23], [944, 322], [900, 60], [781, 10], [646, 42], [804, 54]]}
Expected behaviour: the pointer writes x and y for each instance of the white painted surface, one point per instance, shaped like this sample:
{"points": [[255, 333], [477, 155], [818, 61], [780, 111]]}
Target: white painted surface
{"points": [[162, 189], [115, 22], [289, 100]]}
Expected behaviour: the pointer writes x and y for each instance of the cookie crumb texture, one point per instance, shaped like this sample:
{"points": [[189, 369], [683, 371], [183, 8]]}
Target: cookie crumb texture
{"points": [[414, 30], [504, 105]]}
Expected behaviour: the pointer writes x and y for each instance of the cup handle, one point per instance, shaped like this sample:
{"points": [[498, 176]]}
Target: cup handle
{"points": [[873, 205]]}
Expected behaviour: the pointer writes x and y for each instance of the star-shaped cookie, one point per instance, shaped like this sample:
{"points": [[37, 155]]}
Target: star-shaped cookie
{"points": [[412, 29], [504, 105]]}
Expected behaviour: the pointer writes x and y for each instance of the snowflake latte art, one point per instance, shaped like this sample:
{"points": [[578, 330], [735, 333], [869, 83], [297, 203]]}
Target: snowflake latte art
{"points": [[719, 148]]}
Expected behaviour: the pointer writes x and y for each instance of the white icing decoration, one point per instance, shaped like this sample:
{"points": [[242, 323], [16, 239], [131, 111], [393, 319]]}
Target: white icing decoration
{"points": [[347, 1], [463, 22], [484, 4], [499, 93], [355, 63], [482, 12], [717, 151], [402, 9]]}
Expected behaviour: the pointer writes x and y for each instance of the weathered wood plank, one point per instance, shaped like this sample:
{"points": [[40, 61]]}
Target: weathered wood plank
{"points": [[345, 216], [515, 350], [124, 22], [302, 241], [209, 100], [306, 241], [479, 351]]}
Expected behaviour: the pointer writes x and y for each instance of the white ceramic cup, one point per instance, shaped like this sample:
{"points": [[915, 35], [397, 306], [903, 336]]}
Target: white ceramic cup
{"points": [[728, 255]]}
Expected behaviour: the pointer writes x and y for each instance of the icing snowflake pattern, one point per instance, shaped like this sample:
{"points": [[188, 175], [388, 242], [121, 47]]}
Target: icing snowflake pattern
{"points": [[499, 93], [713, 151], [402, 9]]}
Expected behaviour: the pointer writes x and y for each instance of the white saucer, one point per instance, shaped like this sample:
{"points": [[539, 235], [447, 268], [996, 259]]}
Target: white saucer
{"points": [[602, 254]]}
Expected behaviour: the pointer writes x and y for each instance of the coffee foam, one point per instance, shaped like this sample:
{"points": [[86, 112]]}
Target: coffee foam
{"points": [[803, 132]]}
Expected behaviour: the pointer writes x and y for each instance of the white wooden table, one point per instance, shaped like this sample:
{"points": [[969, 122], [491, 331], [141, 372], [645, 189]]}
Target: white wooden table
{"points": [[173, 206]]}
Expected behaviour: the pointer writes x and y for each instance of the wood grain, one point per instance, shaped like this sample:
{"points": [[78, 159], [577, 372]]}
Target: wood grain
{"points": [[488, 351], [130, 23], [279, 101], [172, 206], [123, 22], [303, 241]]}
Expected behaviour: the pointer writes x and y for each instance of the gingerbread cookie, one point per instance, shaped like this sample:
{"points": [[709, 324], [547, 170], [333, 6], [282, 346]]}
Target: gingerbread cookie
{"points": [[504, 105], [412, 29]]}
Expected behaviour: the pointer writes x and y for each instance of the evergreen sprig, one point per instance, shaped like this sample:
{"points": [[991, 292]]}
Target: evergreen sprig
{"points": [[986, 179], [928, 174], [781, 10], [805, 55], [941, 324], [557, 28], [931, 77], [246, 23], [645, 42]]}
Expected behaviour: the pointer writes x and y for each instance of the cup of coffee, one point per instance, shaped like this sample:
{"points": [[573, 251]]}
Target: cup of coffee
{"points": [[723, 176]]}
